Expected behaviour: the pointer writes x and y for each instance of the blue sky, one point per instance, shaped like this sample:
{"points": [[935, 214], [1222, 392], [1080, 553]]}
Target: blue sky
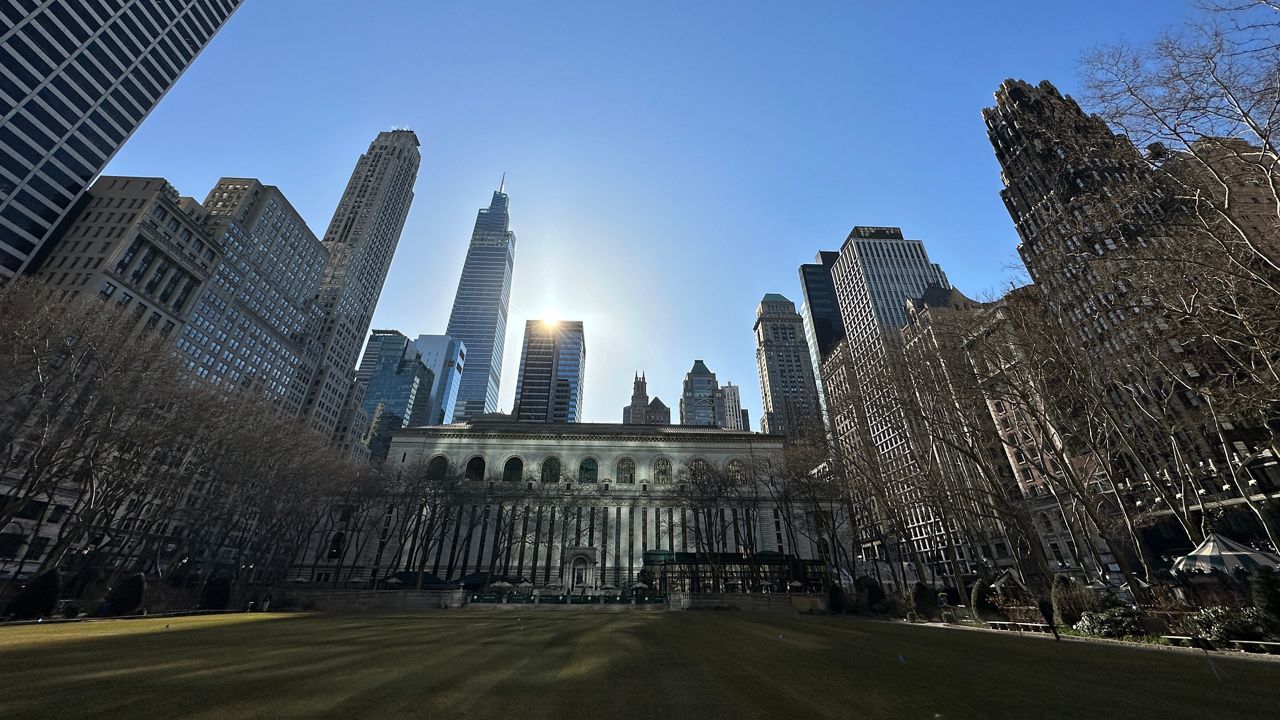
{"points": [[668, 163]]}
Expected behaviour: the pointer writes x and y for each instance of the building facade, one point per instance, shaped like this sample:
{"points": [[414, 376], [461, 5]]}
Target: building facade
{"points": [[698, 398], [642, 410], [876, 276], [249, 326], [577, 508], [230, 280], [788, 387], [395, 379], [552, 364], [729, 408], [76, 80], [823, 326], [479, 316], [395, 387], [136, 243], [446, 358], [361, 240]]}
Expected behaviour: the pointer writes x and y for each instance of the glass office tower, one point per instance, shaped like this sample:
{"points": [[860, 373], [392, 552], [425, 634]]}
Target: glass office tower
{"points": [[77, 77], [479, 317]]}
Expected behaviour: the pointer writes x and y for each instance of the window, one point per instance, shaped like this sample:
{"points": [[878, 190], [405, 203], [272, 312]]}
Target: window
{"points": [[551, 470], [513, 470], [588, 471], [475, 468], [626, 470], [662, 472]]}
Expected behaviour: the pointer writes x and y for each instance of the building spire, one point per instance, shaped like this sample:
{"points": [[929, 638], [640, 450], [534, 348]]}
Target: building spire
{"points": [[503, 182]]}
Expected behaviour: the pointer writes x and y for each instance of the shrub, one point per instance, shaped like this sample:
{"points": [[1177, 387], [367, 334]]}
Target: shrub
{"points": [[924, 601], [912, 616], [126, 596], [1222, 624], [1265, 588], [948, 616], [837, 600], [1071, 600], [1114, 623], [981, 603], [37, 599], [870, 588], [216, 594]]}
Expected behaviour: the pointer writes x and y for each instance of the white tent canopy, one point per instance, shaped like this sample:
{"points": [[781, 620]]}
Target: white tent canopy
{"points": [[1220, 553]]}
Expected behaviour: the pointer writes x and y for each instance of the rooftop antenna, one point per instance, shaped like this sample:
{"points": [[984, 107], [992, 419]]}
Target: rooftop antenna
{"points": [[502, 183]]}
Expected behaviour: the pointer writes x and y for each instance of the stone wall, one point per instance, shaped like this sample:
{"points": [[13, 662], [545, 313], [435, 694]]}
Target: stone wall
{"points": [[354, 601], [749, 602]]}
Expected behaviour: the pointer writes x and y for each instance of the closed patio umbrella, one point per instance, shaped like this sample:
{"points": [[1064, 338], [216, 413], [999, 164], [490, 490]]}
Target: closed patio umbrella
{"points": [[1220, 553]]}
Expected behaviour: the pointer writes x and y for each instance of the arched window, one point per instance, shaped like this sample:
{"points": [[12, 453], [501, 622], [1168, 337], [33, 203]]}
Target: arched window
{"points": [[513, 471], [736, 470], [662, 471], [588, 470], [626, 470], [551, 470], [437, 468], [337, 544], [699, 469], [475, 468]]}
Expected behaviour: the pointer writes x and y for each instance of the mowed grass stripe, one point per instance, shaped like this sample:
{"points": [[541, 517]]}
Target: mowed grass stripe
{"points": [[568, 665]]}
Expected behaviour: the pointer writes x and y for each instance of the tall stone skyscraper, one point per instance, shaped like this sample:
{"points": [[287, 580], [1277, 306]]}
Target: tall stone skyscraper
{"points": [[361, 240], [787, 384], [698, 398], [552, 363], [877, 274], [479, 317], [76, 80]]}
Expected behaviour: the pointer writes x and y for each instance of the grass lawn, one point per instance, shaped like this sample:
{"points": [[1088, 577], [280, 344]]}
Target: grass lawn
{"points": [[564, 665]]}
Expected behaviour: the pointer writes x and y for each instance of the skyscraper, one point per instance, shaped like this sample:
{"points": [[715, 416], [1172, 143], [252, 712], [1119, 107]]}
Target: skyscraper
{"points": [[76, 80], [479, 317], [231, 281], [823, 326], [729, 407], [361, 240], [447, 358], [877, 274], [248, 325], [552, 363], [642, 410], [704, 401], [787, 385], [394, 377], [698, 399]]}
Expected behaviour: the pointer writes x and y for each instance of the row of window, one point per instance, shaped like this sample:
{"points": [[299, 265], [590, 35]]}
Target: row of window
{"points": [[551, 470]]}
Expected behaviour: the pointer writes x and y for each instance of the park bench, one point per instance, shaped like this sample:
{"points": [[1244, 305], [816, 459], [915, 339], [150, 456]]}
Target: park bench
{"points": [[1262, 646], [1020, 626]]}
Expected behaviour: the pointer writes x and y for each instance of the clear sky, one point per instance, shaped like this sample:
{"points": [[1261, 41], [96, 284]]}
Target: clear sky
{"points": [[668, 162]]}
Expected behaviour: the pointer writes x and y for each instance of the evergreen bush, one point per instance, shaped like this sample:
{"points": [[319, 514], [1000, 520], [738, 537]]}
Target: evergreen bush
{"points": [[37, 599], [1223, 624], [1113, 623], [216, 594], [125, 596], [1265, 587], [980, 600], [837, 600], [924, 601], [870, 588]]}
